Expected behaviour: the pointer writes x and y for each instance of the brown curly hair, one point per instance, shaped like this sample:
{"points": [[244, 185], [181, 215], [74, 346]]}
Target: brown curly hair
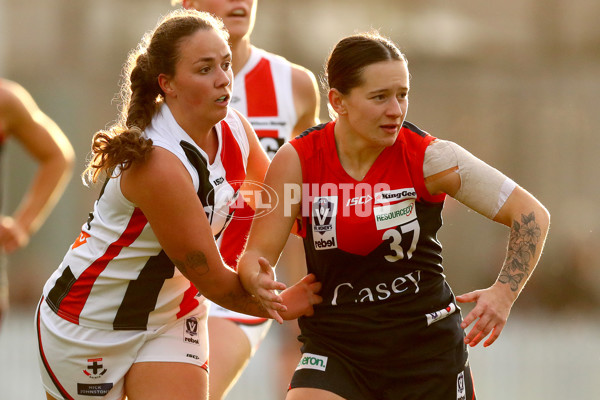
{"points": [[140, 96]]}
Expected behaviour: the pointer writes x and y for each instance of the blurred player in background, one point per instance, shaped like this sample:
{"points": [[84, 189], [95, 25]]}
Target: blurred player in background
{"points": [[280, 100], [44, 141]]}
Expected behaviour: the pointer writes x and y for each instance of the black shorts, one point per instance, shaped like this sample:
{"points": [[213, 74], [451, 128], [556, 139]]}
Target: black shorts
{"points": [[432, 379]]}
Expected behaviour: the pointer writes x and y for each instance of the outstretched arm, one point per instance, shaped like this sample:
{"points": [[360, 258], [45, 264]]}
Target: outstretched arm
{"points": [[49, 147], [529, 222], [484, 190], [162, 188], [268, 236]]}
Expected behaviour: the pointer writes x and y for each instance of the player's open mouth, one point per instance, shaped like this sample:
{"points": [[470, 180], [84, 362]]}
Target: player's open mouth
{"points": [[238, 12], [223, 99]]}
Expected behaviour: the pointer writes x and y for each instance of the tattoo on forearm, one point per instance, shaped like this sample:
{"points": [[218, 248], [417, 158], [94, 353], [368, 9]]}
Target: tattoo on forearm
{"points": [[195, 263], [524, 238]]}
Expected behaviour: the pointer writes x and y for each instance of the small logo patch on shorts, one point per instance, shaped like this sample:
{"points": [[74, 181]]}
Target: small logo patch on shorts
{"points": [[441, 314], [93, 389], [461, 392], [312, 361], [190, 334], [95, 368]]}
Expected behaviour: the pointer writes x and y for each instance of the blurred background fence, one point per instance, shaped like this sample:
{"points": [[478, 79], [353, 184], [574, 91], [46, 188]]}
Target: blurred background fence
{"points": [[515, 82]]}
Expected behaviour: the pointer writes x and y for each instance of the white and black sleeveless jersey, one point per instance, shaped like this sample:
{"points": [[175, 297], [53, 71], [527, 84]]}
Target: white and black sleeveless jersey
{"points": [[116, 275]]}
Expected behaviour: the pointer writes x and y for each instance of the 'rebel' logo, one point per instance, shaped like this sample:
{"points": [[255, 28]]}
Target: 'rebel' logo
{"points": [[191, 331], [323, 211]]}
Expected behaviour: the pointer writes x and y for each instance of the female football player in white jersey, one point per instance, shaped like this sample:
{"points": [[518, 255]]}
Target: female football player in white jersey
{"points": [[125, 314], [23, 121], [280, 100], [372, 192]]}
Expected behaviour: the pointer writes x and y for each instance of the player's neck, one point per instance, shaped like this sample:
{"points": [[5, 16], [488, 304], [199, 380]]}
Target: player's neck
{"points": [[241, 50]]}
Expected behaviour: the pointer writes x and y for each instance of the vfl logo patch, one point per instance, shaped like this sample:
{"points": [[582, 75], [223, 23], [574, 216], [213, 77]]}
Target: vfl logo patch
{"points": [[389, 196], [94, 369], [441, 314], [324, 211], [190, 334], [312, 361], [461, 391], [392, 215]]}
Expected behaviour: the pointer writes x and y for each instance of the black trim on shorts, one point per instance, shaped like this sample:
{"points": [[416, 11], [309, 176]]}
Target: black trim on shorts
{"points": [[57, 384]]}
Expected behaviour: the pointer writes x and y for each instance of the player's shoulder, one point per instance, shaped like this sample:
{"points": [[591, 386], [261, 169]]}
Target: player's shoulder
{"points": [[313, 132], [16, 104], [298, 71], [411, 129], [10, 93]]}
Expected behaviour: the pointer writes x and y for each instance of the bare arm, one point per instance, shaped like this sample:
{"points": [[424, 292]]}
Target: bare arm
{"points": [[162, 188], [270, 232], [49, 147], [307, 100], [529, 222]]}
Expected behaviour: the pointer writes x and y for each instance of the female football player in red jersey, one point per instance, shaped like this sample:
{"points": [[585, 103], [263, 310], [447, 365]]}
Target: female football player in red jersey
{"points": [[125, 314], [280, 100], [368, 189], [21, 118]]}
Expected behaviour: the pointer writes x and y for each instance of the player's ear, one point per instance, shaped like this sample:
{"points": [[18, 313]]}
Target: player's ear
{"points": [[165, 83], [336, 101]]}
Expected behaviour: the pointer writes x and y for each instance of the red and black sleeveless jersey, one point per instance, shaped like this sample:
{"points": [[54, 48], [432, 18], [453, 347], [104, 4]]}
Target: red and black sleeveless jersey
{"points": [[373, 245]]}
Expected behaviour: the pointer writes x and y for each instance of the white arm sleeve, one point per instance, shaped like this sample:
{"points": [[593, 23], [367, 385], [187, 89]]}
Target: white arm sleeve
{"points": [[482, 187]]}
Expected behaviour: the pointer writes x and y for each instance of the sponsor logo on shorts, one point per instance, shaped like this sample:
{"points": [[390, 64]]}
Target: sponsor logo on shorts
{"points": [[441, 314], [389, 196], [324, 213], [190, 334], [98, 389], [461, 391], [392, 215], [95, 368], [194, 356], [312, 361]]}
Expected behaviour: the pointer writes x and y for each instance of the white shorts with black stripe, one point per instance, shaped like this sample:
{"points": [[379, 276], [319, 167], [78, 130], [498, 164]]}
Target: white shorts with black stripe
{"points": [[78, 362]]}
